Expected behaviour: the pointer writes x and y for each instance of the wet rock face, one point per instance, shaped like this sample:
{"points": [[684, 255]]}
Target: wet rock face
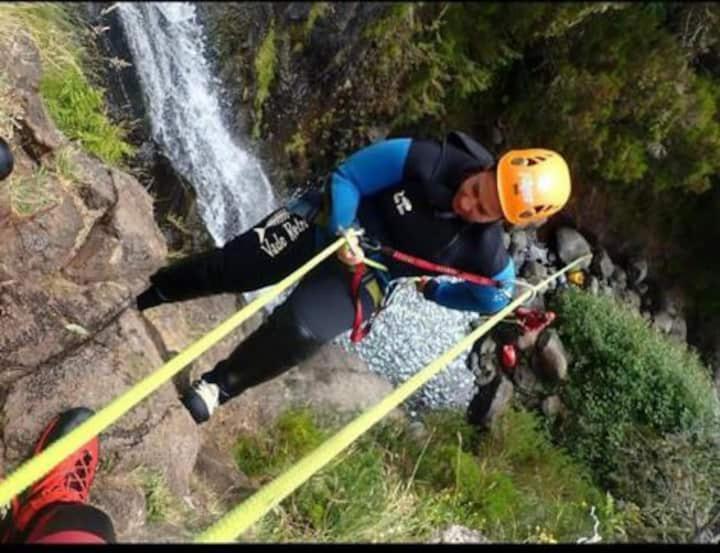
{"points": [[637, 271], [323, 102]]}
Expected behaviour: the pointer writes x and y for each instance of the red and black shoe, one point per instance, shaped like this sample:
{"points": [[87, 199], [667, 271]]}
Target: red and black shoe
{"points": [[68, 482]]}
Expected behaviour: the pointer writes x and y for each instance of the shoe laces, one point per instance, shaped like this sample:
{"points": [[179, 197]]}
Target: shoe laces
{"points": [[209, 393], [69, 482], [71, 479]]}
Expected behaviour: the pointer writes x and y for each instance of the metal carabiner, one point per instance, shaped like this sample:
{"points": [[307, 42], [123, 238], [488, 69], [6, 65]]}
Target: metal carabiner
{"points": [[370, 244]]}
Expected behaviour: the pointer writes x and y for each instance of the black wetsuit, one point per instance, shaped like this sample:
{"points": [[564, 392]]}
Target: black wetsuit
{"points": [[321, 307]]}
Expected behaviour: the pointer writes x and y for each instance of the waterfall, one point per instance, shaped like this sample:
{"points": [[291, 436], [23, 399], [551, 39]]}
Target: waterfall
{"points": [[182, 101]]}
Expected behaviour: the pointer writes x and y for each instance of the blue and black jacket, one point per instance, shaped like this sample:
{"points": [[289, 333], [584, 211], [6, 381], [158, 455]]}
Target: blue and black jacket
{"points": [[400, 191]]}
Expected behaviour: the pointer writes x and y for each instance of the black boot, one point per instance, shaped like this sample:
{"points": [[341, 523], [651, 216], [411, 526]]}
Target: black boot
{"points": [[277, 346]]}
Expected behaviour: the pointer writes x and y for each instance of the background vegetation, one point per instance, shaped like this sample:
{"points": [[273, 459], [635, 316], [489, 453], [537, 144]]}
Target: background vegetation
{"points": [[394, 485], [628, 92], [644, 418]]}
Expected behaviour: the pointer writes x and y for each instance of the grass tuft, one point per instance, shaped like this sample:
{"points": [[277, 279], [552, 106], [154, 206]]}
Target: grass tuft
{"points": [[511, 485], [77, 107]]}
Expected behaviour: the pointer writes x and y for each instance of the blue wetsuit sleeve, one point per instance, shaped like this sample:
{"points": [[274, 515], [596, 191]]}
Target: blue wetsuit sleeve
{"points": [[466, 296], [366, 172]]}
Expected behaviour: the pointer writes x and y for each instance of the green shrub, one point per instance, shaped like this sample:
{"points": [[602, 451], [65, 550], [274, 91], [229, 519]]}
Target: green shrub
{"points": [[294, 434], [160, 504], [675, 482], [79, 110], [265, 70], [624, 375]]}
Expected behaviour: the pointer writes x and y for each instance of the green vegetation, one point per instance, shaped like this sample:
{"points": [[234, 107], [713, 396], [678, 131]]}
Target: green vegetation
{"points": [[160, 504], [78, 110], [76, 106], [625, 375], [32, 194], [265, 69], [644, 417], [317, 10], [389, 486], [675, 482]]}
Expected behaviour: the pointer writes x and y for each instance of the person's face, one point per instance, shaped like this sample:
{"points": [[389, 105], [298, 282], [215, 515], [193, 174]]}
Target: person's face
{"points": [[476, 200]]}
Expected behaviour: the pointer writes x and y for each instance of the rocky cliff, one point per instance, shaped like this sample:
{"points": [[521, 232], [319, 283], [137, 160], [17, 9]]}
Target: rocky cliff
{"points": [[78, 243]]}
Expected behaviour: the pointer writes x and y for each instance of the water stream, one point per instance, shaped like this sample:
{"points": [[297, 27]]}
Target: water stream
{"points": [[182, 99]]}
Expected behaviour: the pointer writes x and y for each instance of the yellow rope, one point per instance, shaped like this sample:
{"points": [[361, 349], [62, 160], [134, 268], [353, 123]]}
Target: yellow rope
{"points": [[37, 467], [253, 509]]}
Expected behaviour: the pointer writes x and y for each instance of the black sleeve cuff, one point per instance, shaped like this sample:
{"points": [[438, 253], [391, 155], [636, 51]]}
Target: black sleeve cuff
{"points": [[429, 290], [149, 298]]}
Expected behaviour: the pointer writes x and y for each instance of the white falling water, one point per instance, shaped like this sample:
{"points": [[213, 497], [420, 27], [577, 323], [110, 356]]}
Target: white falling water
{"points": [[181, 97]]}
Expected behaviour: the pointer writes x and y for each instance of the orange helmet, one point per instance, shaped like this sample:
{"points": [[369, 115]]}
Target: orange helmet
{"points": [[532, 184]]}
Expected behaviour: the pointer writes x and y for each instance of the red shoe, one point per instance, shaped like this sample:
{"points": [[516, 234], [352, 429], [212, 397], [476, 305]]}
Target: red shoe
{"points": [[68, 482]]}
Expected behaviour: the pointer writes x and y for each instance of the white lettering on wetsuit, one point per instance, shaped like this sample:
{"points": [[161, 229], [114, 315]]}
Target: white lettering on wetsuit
{"points": [[274, 243], [294, 228], [402, 204]]}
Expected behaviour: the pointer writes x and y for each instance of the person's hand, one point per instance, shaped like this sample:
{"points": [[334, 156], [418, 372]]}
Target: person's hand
{"points": [[420, 284], [351, 254]]}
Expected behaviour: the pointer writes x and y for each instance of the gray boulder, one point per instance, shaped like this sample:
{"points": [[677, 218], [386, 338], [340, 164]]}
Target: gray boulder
{"points": [[458, 534], [519, 256], [663, 322], [534, 272], [549, 360], [602, 265], [594, 285], [490, 402], [571, 245], [632, 299], [519, 239], [679, 329], [538, 254], [637, 271], [619, 278], [418, 432], [552, 406]]}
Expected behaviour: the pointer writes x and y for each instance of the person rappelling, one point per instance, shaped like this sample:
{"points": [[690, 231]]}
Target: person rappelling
{"points": [[424, 207]]}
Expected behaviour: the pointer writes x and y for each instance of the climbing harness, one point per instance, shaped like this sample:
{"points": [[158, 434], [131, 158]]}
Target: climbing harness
{"points": [[529, 320], [392, 253], [361, 329]]}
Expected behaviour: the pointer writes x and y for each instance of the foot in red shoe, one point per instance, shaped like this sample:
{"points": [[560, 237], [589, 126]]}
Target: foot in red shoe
{"points": [[68, 482]]}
